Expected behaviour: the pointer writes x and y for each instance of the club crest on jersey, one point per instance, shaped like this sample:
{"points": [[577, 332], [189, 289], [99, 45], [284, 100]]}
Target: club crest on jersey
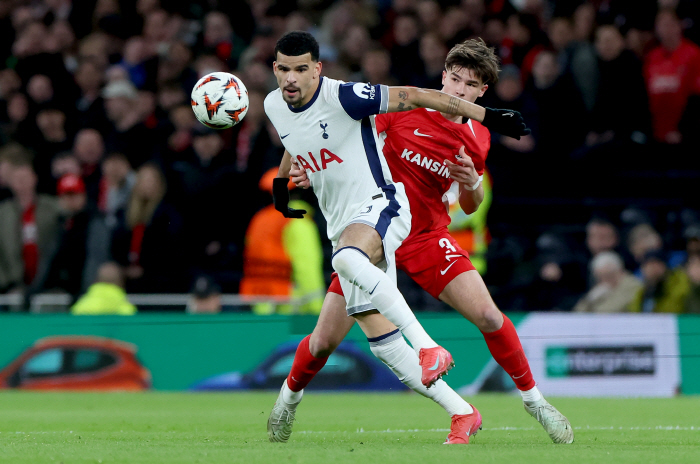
{"points": [[323, 127], [423, 161], [365, 91], [326, 157]]}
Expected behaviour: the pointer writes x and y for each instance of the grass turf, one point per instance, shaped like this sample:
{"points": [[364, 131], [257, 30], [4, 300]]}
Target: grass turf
{"points": [[191, 428]]}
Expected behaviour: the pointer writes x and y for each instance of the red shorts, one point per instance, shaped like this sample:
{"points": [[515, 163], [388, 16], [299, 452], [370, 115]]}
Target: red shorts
{"points": [[432, 260]]}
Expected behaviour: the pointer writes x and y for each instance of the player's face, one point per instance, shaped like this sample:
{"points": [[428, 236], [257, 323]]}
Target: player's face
{"points": [[297, 77], [462, 83]]}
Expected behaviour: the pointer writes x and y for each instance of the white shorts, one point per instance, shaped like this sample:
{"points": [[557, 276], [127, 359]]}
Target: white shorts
{"points": [[389, 213]]}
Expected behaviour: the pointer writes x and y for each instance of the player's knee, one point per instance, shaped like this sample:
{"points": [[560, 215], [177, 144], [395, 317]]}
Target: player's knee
{"points": [[322, 345], [490, 318], [346, 260]]}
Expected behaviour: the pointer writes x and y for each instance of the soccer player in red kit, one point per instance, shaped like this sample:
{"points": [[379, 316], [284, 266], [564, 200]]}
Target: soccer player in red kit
{"points": [[428, 151]]}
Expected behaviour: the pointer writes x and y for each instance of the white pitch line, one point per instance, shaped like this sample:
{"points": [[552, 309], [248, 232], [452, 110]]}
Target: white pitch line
{"points": [[490, 429], [508, 429]]}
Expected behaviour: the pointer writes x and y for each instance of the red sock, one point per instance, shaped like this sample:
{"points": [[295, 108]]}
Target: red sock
{"points": [[504, 345], [305, 366]]}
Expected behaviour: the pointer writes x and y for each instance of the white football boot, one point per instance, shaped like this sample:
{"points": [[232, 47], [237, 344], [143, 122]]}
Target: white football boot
{"points": [[281, 420], [554, 422]]}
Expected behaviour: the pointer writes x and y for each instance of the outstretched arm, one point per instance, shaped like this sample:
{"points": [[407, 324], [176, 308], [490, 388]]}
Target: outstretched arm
{"points": [[506, 122]]}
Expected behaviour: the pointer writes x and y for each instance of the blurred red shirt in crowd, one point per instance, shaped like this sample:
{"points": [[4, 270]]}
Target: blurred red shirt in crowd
{"points": [[672, 74]]}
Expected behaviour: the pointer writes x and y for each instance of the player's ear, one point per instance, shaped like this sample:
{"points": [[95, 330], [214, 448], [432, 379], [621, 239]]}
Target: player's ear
{"points": [[483, 90], [317, 69], [444, 76]]}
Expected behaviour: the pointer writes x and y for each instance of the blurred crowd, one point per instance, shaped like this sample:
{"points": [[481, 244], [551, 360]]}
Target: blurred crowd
{"points": [[103, 163]]}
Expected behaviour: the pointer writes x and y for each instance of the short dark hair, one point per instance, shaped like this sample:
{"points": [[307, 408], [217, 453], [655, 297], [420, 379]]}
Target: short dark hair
{"points": [[474, 54], [297, 43]]}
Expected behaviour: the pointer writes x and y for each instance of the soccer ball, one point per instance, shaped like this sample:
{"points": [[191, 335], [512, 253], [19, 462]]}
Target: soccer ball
{"points": [[219, 100]]}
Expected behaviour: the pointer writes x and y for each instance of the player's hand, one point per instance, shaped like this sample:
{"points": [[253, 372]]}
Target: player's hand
{"points": [[505, 122], [463, 171], [299, 176], [280, 198]]}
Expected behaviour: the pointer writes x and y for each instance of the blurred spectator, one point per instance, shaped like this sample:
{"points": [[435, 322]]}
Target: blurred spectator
{"points": [[433, 53], [90, 107], [106, 296], [204, 176], [406, 48], [508, 162], [128, 134], [556, 281], [672, 73], [584, 21], [601, 235], [114, 191], [576, 55], [10, 155], [29, 225], [642, 239], [620, 112], [615, 288], [118, 178], [40, 89], [283, 257], [692, 269], [18, 126], [53, 138], [665, 290], [146, 236], [67, 265], [140, 62], [258, 149], [205, 297], [376, 67], [221, 39], [524, 39], [88, 148], [548, 87], [174, 66], [354, 47], [64, 163]]}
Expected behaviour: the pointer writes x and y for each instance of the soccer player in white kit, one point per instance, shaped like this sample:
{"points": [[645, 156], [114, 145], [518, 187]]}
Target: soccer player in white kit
{"points": [[327, 126]]}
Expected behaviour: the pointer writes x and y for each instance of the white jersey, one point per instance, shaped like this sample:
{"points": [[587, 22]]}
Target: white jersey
{"points": [[334, 139]]}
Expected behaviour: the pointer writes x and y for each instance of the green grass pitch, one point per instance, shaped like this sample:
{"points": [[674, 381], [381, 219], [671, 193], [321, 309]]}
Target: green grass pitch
{"points": [[193, 428]]}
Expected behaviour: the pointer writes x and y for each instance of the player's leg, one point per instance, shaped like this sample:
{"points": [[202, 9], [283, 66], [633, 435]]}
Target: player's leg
{"points": [[388, 345], [359, 248], [468, 294], [312, 353]]}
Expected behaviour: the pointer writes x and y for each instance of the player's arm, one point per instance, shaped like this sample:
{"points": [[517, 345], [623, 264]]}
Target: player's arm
{"points": [[471, 192], [280, 191], [506, 122]]}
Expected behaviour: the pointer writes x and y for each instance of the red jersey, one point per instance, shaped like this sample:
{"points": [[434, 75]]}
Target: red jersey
{"points": [[671, 77], [416, 146]]}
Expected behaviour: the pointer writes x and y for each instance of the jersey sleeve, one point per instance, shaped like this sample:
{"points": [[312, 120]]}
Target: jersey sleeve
{"points": [[360, 99]]}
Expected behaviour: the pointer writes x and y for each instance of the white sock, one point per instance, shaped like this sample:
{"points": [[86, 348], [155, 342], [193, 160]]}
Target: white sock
{"points": [[393, 351], [354, 266], [531, 395], [289, 396]]}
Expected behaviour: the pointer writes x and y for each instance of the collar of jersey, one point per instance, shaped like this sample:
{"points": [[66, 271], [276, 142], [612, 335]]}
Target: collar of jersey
{"points": [[311, 102]]}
